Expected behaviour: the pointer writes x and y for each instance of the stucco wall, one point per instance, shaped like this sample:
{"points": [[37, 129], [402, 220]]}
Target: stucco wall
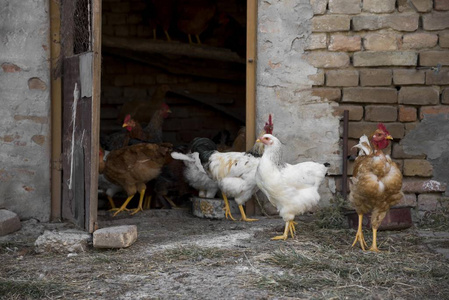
{"points": [[306, 124], [25, 113]]}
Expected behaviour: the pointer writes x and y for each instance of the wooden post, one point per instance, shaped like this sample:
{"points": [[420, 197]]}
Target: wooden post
{"points": [[251, 63]]}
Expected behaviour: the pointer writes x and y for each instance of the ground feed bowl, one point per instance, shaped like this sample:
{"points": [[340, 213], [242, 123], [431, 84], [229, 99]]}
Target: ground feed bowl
{"points": [[396, 219], [212, 208]]}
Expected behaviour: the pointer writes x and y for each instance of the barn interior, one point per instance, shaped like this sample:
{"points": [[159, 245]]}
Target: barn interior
{"points": [[189, 54]]}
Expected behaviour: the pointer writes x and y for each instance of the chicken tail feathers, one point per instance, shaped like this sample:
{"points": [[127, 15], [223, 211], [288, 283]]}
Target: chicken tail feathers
{"points": [[205, 148], [364, 146], [180, 156], [326, 164]]}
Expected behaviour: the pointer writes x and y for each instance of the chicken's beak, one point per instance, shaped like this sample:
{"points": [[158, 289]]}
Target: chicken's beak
{"points": [[169, 111], [258, 141], [389, 137], [125, 125]]}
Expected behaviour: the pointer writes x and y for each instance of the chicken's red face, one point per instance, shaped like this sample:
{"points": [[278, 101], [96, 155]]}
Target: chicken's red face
{"points": [[266, 140], [165, 110], [380, 137], [129, 123]]}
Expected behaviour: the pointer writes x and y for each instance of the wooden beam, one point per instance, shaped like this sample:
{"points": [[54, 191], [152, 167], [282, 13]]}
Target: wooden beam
{"points": [[251, 63]]}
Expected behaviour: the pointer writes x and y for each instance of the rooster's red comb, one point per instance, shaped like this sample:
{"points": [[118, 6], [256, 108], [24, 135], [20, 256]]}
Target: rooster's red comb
{"points": [[127, 118], [383, 128], [269, 125]]}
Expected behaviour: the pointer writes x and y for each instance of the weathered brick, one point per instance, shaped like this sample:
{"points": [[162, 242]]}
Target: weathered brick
{"points": [[355, 112], [430, 202], [410, 126], [419, 40], [116, 19], [385, 58], [142, 79], [441, 4], [342, 78], [436, 20], [422, 5], [321, 59], [123, 80], [318, 6], [134, 19], [135, 93], [443, 39], [440, 78], [405, 6], [417, 167], [445, 96], [407, 114], [36, 84], [316, 41], [433, 110], [370, 95], [375, 77], [432, 58], [400, 22], [317, 79], [405, 77], [331, 23], [381, 41], [345, 43], [166, 79], [407, 200], [349, 7], [121, 7], [328, 94], [115, 237], [379, 6], [419, 95], [9, 222], [357, 129], [412, 185], [10, 68], [381, 113], [398, 152]]}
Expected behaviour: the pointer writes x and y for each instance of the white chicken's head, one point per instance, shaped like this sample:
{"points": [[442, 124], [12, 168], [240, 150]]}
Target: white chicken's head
{"points": [[268, 140]]}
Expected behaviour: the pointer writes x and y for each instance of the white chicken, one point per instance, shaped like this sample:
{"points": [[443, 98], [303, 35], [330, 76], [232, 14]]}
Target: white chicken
{"points": [[292, 189], [234, 172], [195, 174]]}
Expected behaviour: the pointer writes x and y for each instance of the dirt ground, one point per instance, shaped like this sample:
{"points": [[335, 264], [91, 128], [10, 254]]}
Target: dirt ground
{"points": [[179, 256]]}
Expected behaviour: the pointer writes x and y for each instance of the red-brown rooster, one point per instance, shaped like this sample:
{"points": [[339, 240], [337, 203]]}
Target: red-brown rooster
{"points": [[194, 16], [376, 183]]}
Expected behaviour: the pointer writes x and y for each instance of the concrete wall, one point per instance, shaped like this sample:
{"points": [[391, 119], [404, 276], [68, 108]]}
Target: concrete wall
{"points": [[306, 124], [25, 113]]}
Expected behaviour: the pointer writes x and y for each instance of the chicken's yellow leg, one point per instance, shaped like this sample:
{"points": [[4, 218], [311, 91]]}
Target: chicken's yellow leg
{"points": [[154, 34], [167, 35], [244, 218], [285, 235], [359, 235], [139, 208], [227, 207], [111, 202], [374, 245], [292, 228], [190, 39], [147, 202], [198, 39], [123, 207]]}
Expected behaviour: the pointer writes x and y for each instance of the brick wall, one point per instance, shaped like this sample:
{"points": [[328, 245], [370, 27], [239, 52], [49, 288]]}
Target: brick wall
{"points": [[125, 80], [377, 59]]}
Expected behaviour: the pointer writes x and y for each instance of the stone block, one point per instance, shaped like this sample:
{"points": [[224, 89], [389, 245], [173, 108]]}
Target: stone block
{"points": [[116, 19], [441, 4], [445, 96], [433, 110], [405, 76], [407, 200], [375, 77], [9, 222], [381, 113], [357, 129], [115, 237], [410, 126], [399, 153], [381, 41], [379, 6], [342, 78], [405, 6], [419, 40], [422, 5], [417, 167], [399, 22], [345, 43], [443, 38], [419, 95], [145, 80], [348, 7], [329, 94], [385, 58], [355, 111], [316, 41], [319, 6], [370, 95], [124, 80], [440, 78], [433, 58], [436, 21], [416, 185], [317, 79], [69, 241], [331, 23], [321, 59], [407, 114], [429, 202]]}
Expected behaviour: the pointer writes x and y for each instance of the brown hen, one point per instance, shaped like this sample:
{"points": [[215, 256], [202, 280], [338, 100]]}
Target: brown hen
{"points": [[133, 166], [376, 183]]}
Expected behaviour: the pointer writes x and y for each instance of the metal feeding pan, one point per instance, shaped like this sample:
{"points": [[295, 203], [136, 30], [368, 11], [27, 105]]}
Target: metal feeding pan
{"points": [[396, 219], [212, 208]]}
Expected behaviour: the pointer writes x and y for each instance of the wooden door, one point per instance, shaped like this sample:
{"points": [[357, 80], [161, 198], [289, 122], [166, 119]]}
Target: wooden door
{"points": [[80, 35]]}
